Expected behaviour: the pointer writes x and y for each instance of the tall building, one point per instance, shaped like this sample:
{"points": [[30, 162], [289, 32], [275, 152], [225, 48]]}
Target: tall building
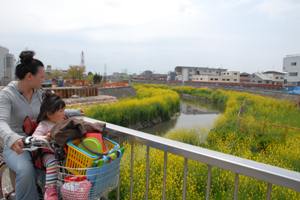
{"points": [[291, 65], [7, 66]]}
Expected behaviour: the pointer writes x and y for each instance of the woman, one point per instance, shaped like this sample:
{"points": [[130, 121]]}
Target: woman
{"points": [[19, 100]]}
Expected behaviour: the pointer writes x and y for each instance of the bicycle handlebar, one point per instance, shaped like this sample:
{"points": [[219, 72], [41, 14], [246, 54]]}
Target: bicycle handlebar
{"points": [[33, 143]]}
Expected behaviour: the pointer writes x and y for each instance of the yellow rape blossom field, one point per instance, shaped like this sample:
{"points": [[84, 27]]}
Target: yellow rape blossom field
{"points": [[251, 126]]}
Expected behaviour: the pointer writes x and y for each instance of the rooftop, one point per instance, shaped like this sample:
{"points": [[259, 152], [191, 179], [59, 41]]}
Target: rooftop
{"points": [[205, 68], [293, 55], [274, 72], [262, 76]]}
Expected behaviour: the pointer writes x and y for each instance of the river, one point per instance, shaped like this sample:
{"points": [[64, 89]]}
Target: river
{"points": [[192, 115]]}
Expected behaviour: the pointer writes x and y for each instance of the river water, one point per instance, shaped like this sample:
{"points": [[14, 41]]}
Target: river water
{"points": [[192, 115]]}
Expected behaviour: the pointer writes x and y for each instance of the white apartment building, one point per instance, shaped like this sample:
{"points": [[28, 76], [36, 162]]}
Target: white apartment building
{"points": [[205, 74], [227, 76], [206, 78], [291, 65], [184, 73], [230, 76]]}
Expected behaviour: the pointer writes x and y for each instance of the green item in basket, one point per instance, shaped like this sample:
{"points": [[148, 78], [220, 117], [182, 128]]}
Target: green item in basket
{"points": [[92, 144], [82, 147]]}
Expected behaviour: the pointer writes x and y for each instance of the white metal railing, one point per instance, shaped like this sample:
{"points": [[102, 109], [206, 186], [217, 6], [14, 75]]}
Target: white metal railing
{"points": [[240, 166]]}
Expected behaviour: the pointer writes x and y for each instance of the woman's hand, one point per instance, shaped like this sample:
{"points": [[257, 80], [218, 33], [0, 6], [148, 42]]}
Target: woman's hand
{"points": [[18, 146]]}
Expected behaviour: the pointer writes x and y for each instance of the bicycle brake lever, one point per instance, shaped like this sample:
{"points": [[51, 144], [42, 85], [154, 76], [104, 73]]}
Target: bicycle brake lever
{"points": [[27, 140]]}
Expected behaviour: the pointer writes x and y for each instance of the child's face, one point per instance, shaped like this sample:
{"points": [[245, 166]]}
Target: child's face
{"points": [[57, 116]]}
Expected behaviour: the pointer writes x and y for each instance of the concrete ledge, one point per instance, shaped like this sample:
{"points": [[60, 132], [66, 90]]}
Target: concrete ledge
{"points": [[118, 92], [101, 99]]}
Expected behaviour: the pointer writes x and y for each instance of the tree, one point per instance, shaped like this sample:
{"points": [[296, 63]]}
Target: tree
{"points": [[90, 77], [76, 72], [56, 74], [97, 78]]}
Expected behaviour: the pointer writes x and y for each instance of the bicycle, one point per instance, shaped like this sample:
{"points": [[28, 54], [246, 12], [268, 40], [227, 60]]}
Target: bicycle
{"points": [[91, 183]]}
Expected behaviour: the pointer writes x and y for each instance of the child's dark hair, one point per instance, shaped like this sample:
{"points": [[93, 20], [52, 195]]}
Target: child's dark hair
{"points": [[51, 104], [27, 64]]}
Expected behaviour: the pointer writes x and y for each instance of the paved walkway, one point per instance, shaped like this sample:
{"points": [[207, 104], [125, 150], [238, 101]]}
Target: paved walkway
{"points": [[90, 100]]}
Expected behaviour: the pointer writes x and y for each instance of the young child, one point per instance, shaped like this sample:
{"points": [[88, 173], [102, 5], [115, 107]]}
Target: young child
{"points": [[52, 111]]}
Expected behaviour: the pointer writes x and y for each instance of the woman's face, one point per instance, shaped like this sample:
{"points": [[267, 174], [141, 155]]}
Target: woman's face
{"points": [[36, 80]]}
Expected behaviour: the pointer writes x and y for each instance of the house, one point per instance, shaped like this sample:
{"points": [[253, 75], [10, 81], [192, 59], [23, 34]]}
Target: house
{"points": [[245, 77], [260, 78], [276, 77]]}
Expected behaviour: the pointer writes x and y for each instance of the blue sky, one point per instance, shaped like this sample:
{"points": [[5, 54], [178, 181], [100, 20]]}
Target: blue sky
{"points": [[135, 35]]}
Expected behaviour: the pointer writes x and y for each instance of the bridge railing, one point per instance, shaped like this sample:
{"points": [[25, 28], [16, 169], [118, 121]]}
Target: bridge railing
{"points": [[239, 166]]}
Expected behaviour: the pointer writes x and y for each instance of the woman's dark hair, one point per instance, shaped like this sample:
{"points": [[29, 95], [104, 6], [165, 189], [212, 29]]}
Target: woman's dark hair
{"points": [[51, 104], [27, 64]]}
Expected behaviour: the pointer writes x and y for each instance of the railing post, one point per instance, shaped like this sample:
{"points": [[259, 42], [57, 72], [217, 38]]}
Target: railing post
{"points": [[131, 169], [208, 182], [236, 186], [185, 171], [147, 171], [269, 191], [119, 183], [165, 175]]}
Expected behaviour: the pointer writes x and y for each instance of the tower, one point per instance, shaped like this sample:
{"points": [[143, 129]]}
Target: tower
{"points": [[82, 59], [104, 75]]}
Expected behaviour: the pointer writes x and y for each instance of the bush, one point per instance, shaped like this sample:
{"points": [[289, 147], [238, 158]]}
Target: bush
{"points": [[190, 136], [148, 105]]}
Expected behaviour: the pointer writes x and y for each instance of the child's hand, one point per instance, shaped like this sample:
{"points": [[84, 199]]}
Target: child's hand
{"points": [[81, 111], [45, 137], [48, 136]]}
